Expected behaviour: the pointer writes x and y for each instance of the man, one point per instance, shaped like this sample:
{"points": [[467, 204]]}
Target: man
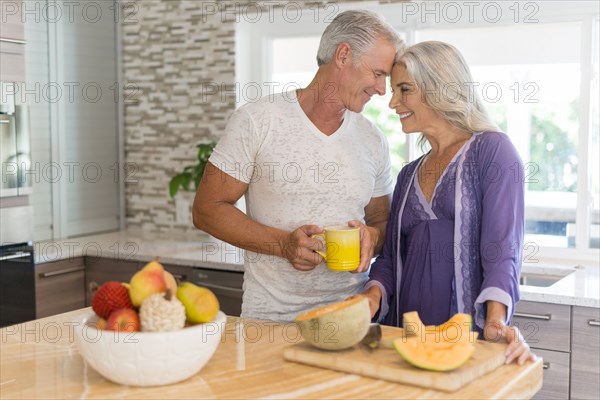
{"points": [[305, 160]]}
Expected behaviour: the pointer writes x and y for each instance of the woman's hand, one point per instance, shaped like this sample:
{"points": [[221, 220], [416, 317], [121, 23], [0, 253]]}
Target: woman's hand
{"points": [[373, 294], [517, 350]]}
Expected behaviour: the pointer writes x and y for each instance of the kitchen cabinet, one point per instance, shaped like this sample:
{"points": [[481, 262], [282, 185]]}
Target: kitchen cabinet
{"points": [[556, 375], [59, 286], [12, 62], [585, 356], [13, 28], [543, 325], [568, 339], [31, 291], [12, 51], [547, 329]]}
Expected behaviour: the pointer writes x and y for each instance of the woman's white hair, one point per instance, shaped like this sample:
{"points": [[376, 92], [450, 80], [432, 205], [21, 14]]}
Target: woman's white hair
{"points": [[444, 79], [360, 29]]}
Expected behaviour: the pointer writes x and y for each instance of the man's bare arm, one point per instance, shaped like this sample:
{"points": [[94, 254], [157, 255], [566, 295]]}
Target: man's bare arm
{"points": [[214, 212]]}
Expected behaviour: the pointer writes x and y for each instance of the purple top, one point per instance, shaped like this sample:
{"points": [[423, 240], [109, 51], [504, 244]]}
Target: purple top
{"points": [[463, 248]]}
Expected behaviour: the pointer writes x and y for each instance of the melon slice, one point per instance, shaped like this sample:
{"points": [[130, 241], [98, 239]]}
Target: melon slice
{"points": [[336, 326], [455, 326], [431, 356], [438, 348], [412, 324]]}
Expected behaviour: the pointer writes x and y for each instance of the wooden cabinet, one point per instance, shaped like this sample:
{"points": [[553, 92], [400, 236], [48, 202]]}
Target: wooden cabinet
{"points": [[585, 356], [547, 329], [556, 375], [59, 287], [543, 325]]}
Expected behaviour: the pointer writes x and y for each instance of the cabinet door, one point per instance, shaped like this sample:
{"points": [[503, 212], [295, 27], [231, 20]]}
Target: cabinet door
{"points": [[543, 325], [11, 15], [101, 270], [12, 62], [585, 356], [556, 375], [59, 287]]}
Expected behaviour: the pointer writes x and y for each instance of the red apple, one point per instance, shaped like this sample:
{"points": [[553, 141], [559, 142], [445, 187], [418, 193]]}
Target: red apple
{"points": [[123, 320]]}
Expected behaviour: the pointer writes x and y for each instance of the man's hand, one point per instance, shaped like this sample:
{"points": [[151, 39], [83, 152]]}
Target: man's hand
{"points": [[369, 237], [299, 248]]}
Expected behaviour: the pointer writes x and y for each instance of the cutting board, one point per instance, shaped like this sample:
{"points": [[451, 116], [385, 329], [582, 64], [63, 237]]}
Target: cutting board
{"points": [[385, 363]]}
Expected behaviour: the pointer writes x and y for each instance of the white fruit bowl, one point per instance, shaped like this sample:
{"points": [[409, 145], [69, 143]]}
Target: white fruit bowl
{"points": [[148, 358]]}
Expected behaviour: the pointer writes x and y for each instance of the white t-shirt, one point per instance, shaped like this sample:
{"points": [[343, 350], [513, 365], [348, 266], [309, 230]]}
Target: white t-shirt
{"points": [[297, 175]]}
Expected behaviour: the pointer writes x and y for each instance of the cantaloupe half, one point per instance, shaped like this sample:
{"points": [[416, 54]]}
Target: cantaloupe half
{"points": [[336, 326], [438, 348]]}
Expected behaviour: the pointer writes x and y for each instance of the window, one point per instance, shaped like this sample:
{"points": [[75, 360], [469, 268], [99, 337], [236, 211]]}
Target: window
{"points": [[536, 67]]}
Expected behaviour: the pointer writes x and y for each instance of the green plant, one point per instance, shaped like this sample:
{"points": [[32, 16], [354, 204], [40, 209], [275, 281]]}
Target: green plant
{"points": [[192, 173]]}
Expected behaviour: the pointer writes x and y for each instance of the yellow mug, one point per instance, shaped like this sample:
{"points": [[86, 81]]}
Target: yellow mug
{"points": [[342, 247]]}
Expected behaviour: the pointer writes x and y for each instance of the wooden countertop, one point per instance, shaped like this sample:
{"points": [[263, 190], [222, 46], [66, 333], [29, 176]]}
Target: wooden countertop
{"points": [[39, 359]]}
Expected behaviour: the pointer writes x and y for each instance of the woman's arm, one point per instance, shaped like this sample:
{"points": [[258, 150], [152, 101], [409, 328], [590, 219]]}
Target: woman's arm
{"points": [[496, 330]]}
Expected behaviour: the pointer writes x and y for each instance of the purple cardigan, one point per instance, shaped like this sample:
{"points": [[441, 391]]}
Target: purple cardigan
{"points": [[488, 230]]}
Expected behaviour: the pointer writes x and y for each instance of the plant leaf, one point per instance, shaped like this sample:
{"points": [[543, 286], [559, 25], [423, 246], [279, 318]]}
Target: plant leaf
{"points": [[180, 180]]}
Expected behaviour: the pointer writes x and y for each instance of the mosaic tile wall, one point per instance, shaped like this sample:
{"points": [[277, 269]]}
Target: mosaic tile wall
{"points": [[170, 48]]}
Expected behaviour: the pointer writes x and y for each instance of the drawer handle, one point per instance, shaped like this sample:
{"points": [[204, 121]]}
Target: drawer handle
{"points": [[546, 365], [180, 277], [593, 322], [545, 317], [15, 255], [61, 272], [10, 40], [4, 122]]}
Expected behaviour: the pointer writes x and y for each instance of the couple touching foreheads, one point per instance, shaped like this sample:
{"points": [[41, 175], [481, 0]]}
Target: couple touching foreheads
{"points": [[430, 234]]}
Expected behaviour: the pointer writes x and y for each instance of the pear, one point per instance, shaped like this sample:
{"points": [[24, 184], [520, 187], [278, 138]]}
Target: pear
{"points": [[146, 282], [201, 305]]}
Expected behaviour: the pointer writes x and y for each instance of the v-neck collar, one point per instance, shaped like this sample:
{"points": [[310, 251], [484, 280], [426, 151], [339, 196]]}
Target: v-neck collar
{"points": [[339, 132], [440, 179]]}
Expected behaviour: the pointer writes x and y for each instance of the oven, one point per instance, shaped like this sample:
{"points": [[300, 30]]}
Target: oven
{"points": [[17, 283]]}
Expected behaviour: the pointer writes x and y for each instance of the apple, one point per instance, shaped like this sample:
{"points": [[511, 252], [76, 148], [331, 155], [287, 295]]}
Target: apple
{"points": [[123, 320]]}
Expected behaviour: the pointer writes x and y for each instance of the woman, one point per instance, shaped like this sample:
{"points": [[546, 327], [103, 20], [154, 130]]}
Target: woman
{"points": [[455, 234]]}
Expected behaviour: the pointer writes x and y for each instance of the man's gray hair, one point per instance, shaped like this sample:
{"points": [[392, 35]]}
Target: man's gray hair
{"points": [[360, 29]]}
